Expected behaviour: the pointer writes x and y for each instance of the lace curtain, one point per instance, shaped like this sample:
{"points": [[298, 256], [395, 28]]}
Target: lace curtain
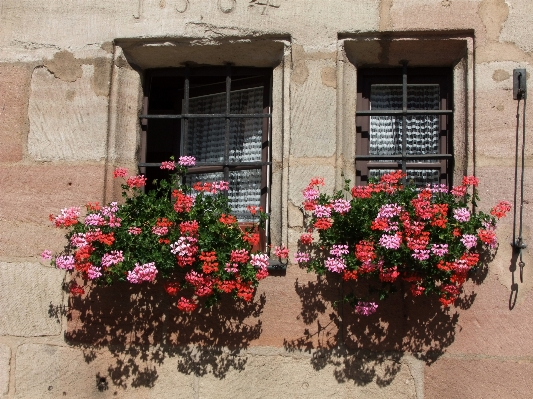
{"points": [[206, 140], [422, 131]]}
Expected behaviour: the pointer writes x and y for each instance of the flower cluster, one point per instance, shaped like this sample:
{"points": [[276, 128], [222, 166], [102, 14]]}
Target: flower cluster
{"points": [[174, 230], [430, 237]]}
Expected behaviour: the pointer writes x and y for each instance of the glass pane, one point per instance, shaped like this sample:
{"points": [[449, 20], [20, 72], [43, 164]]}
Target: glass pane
{"points": [[422, 132], [206, 138], [421, 177], [246, 139], [247, 101], [190, 179], [386, 96], [246, 134], [162, 139], [244, 190]]}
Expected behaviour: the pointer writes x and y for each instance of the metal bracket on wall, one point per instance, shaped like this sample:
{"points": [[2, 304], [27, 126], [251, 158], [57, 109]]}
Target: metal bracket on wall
{"points": [[519, 84], [520, 94]]}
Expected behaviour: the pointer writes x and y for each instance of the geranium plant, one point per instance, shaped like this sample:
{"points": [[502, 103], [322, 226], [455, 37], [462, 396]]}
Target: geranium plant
{"points": [[386, 232], [174, 230]]}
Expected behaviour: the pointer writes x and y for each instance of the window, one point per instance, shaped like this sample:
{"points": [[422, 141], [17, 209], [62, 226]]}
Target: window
{"points": [[219, 115], [404, 121]]}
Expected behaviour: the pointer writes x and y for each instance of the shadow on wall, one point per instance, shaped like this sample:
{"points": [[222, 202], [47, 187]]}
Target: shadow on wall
{"points": [[367, 348], [140, 326]]}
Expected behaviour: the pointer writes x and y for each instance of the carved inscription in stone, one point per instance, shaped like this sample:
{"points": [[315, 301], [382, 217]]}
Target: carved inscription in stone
{"points": [[137, 14], [266, 4], [181, 5], [227, 6]]}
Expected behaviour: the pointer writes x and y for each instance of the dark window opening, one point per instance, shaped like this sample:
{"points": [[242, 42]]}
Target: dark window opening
{"points": [[219, 115], [404, 121]]}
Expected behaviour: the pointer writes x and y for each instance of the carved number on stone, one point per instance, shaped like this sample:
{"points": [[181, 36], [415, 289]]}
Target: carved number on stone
{"points": [[182, 5], [227, 6], [265, 4], [138, 13]]}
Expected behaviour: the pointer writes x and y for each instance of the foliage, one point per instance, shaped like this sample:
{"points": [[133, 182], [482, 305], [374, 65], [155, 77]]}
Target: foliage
{"points": [[431, 237], [172, 231]]}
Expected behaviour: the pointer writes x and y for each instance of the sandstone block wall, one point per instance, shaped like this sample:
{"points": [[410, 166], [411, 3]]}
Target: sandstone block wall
{"points": [[70, 92]]}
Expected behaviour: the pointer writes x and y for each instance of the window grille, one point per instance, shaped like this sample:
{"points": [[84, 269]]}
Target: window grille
{"points": [[405, 126], [219, 115]]}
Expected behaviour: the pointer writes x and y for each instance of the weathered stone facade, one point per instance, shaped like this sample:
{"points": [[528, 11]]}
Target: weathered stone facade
{"points": [[71, 89]]}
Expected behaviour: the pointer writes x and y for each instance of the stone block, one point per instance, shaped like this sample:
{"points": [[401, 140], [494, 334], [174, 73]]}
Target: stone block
{"points": [[384, 330], [504, 266], [125, 107], [497, 75], [103, 21], [31, 192], [28, 240], [313, 110], [437, 15], [5, 368], [301, 173], [298, 311], [47, 371], [492, 324], [123, 314], [28, 294], [15, 87], [295, 216], [496, 123], [73, 126], [516, 26], [51, 371], [478, 378], [496, 183], [300, 377]]}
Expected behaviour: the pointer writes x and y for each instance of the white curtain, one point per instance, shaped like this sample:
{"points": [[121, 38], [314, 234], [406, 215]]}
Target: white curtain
{"points": [[206, 139], [422, 131]]}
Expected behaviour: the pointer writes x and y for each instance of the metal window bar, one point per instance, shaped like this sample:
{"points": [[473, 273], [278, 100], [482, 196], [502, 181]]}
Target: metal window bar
{"points": [[404, 112], [227, 119], [189, 116], [226, 165], [185, 116]]}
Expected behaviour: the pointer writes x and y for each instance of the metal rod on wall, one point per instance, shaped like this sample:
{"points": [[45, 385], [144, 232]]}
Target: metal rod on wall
{"points": [[520, 94]]}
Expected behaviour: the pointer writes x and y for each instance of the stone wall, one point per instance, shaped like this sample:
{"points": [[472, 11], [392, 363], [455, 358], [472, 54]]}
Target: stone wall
{"points": [[70, 82]]}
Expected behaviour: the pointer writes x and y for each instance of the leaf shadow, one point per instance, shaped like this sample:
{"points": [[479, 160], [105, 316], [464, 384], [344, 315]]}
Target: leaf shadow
{"points": [[363, 349], [139, 327]]}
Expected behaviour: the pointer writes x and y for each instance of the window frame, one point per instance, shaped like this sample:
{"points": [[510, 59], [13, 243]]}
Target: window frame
{"points": [[443, 76], [231, 74]]}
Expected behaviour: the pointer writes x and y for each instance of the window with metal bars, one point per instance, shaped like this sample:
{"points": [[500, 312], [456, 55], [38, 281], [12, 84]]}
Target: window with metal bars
{"points": [[404, 121], [219, 115]]}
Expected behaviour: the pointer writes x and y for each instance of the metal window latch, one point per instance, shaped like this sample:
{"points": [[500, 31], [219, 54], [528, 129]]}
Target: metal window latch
{"points": [[519, 84]]}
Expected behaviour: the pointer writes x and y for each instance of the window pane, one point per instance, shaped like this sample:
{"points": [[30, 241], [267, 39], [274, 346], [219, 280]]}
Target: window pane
{"points": [[206, 137], [246, 139], [163, 140], [247, 101], [191, 178], [244, 189], [421, 177], [386, 96], [422, 132]]}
